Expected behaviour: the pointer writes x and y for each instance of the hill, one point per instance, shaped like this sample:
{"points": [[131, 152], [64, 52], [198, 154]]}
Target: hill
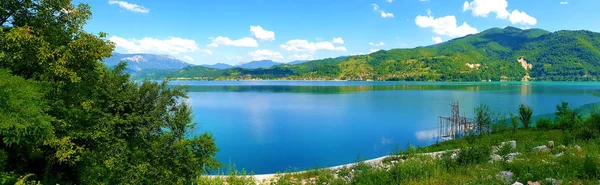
{"points": [[258, 64], [496, 54], [142, 61], [218, 66]]}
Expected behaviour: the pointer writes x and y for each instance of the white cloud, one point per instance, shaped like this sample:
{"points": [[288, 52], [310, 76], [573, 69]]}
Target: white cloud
{"points": [[375, 7], [173, 45], [444, 25], [129, 6], [389, 1], [338, 40], [423, 0], [243, 42], [517, 17], [238, 58], [188, 58], [263, 54], [564, 2], [437, 40], [208, 52], [482, 8], [373, 50], [301, 57], [386, 15], [377, 44], [298, 45], [261, 34]]}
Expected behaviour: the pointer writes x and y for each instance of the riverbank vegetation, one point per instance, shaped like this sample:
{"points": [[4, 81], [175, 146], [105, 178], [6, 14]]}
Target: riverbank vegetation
{"points": [[563, 150]]}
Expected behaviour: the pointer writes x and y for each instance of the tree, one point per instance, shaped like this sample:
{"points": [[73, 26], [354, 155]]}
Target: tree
{"points": [[525, 113], [483, 118], [90, 124]]}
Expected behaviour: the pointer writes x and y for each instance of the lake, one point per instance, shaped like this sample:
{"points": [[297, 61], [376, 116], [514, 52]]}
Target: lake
{"points": [[271, 126]]}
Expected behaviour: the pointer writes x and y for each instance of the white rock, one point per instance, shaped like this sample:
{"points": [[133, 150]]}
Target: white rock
{"points": [[511, 156], [495, 157], [517, 183], [558, 155], [513, 144], [541, 148], [578, 148], [506, 175]]}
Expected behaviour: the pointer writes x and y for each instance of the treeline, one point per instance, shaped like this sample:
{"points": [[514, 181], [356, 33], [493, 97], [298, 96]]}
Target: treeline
{"points": [[65, 118], [493, 54]]}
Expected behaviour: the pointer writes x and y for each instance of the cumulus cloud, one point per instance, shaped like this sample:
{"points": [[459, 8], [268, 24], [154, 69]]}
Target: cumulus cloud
{"points": [[373, 50], [482, 8], [338, 40], [261, 34], [246, 42], [517, 17], [173, 45], [389, 1], [208, 52], [188, 58], [375, 7], [301, 57], [377, 44], [263, 54], [437, 40], [386, 15], [444, 25], [298, 45], [130, 6], [564, 2]]}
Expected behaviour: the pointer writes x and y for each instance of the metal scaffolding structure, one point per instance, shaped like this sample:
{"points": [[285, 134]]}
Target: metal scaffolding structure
{"points": [[454, 126]]}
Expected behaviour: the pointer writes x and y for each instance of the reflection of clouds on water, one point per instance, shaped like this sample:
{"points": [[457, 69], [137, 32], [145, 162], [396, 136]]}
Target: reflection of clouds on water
{"points": [[386, 141], [427, 135], [258, 116]]}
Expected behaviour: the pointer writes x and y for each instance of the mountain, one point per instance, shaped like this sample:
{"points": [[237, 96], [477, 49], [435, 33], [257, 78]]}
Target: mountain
{"points": [[297, 62], [218, 66], [258, 64], [139, 62], [510, 54]]}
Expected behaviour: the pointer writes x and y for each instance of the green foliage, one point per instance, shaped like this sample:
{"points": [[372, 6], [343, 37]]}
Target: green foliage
{"points": [[591, 166], [66, 118], [566, 117], [483, 118], [525, 113], [514, 121], [476, 154], [544, 124]]}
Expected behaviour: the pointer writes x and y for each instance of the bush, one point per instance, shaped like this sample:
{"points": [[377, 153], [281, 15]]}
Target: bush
{"points": [[585, 133], [525, 113], [474, 155], [544, 124], [483, 118], [514, 120], [566, 117], [568, 138], [590, 167], [594, 120]]}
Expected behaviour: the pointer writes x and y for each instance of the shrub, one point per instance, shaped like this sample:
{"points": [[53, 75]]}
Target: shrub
{"points": [[568, 138], [590, 167], [566, 117], [514, 120], [474, 155], [544, 124], [483, 118], [525, 113], [500, 124], [594, 120], [585, 133]]}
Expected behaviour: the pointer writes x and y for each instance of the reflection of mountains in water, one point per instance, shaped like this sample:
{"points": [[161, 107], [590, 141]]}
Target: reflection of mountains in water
{"points": [[492, 88]]}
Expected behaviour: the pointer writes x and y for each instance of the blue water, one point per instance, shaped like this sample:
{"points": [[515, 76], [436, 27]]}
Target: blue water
{"points": [[271, 126]]}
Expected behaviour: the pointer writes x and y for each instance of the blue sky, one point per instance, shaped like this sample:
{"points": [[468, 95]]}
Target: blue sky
{"points": [[235, 31]]}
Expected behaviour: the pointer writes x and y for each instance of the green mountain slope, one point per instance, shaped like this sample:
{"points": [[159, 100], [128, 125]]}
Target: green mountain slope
{"points": [[494, 54]]}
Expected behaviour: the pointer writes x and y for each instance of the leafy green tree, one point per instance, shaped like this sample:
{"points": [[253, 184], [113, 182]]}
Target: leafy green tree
{"points": [[525, 113], [483, 118], [80, 122]]}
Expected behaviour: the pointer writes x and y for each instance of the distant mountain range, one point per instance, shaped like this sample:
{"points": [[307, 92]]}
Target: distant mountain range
{"points": [[144, 61], [139, 62], [496, 54], [252, 64]]}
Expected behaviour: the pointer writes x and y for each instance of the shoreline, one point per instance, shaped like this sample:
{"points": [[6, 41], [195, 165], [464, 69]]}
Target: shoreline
{"points": [[260, 178]]}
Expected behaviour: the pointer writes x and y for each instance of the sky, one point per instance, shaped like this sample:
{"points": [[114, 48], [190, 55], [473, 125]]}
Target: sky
{"points": [[239, 31]]}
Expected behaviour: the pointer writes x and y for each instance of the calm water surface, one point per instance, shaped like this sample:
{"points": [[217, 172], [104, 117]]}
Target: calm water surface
{"points": [[270, 126]]}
